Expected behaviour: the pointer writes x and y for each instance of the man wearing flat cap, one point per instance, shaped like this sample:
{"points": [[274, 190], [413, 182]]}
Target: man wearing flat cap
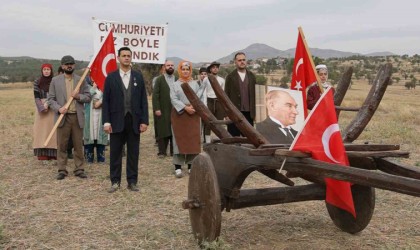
{"points": [[213, 104], [62, 88]]}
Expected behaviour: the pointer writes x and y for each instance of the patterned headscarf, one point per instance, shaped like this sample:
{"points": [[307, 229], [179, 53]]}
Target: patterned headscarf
{"points": [[181, 77], [44, 81]]}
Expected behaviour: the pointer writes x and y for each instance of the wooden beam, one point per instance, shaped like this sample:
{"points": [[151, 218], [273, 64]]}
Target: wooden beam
{"points": [[278, 195], [342, 86], [206, 116], [366, 112], [311, 167], [395, 168], [378, 154]]}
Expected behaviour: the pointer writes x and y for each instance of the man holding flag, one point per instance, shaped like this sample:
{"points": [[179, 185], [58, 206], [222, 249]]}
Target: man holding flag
{"points": [[63, 89]]}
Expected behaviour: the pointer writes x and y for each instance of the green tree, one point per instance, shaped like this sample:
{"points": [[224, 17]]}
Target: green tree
{"points": [[285, 79], [261, 80]]}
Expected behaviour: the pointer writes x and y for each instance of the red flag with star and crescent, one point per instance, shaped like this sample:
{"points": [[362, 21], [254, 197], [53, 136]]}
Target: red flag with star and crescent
{"points": [[321, 136], [104, 61], [303, 74]]}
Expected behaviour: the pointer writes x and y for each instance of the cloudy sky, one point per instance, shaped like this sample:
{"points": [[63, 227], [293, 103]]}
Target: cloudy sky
{"points": [[204, 30]]}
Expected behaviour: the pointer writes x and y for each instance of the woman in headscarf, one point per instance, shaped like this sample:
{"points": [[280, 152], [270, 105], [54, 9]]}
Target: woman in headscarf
{"points": [[314, 93], [185, 122], [44, 117]]}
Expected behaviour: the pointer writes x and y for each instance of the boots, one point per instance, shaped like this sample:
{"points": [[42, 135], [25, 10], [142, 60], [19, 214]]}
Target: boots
{"points": [[89, 153], [100, 153]]}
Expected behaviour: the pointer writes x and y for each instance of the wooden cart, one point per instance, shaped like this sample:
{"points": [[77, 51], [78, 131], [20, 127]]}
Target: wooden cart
{"points": [[218, 173]]}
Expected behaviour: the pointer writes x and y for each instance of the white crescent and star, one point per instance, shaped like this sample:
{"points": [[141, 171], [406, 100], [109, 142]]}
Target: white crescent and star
{"points": [[326, 137], [298, 83], [300, 62], [107, 58]]}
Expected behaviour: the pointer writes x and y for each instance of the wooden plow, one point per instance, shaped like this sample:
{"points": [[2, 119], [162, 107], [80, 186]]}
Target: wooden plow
{"points": [[218, 173]]}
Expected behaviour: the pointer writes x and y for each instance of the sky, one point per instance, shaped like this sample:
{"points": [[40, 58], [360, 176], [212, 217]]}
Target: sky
{"points": [[204, 30]]}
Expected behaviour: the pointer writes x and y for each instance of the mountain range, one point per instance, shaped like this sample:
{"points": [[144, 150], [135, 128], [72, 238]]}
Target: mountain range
{"points": [[260, 50]]}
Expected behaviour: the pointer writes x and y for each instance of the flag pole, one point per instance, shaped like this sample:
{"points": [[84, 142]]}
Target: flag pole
{"points": [[79, 84], [310, 59]]}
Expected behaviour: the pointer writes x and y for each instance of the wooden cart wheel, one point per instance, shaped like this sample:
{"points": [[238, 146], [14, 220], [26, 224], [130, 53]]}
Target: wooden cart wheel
{"points": [[203, 190], [364, 202]]}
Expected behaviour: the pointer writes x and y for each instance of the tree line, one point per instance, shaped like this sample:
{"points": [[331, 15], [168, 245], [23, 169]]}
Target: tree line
{"points": [[405, 71]]}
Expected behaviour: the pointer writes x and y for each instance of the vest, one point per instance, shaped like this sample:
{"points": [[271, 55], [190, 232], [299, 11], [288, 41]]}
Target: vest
{"points": [[127, 99], [244, 89]]}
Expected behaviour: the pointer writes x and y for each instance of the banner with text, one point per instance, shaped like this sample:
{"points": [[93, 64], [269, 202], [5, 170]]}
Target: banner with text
{"points": [[146, 41]]}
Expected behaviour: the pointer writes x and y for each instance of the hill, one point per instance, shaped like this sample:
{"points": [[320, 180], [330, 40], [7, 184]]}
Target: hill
{"points": [[260, 50]]}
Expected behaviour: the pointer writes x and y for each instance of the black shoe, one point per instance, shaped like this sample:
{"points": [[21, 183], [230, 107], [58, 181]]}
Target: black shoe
{"points": [[133, 187], [114, 188], [70, 155], [61, 176], [81, 175]]}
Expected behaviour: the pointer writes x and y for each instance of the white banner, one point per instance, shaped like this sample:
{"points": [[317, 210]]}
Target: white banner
{"points": [[146, 41]]}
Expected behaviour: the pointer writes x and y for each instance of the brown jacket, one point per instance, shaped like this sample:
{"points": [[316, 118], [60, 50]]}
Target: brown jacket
{"points": [[233, 92]]}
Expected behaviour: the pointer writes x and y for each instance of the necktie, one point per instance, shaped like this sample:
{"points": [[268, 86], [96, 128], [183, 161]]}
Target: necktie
{"points": [[288, 132]]}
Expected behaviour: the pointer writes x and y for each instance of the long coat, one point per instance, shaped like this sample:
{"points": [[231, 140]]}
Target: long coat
{"points": [[233, 92], [161, 100], [113, 101]]}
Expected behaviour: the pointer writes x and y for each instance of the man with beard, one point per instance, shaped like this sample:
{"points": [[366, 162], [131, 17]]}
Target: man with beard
{"points": [[162, 109], [240, 88], [125, 115], [215, 107], [62, 88]]}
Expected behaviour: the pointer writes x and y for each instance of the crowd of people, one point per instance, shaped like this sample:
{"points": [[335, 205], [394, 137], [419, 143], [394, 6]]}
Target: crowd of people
{"points": [[91, 118]]}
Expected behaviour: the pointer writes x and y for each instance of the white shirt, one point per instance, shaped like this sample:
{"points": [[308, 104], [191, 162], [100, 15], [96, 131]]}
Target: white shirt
{"points": [[242, 75], [125, 76], [210, 91]]}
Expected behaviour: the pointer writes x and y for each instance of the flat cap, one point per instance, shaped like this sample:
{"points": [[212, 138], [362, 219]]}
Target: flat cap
{"points": [[67, 60]]}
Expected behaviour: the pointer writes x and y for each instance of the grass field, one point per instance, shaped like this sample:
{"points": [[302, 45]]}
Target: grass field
{"points": [[39, 212]]}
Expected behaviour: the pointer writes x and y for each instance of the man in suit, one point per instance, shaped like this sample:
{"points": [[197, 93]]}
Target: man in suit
{"points": [[125, 115], [62, 88], [240, 88], [282, 112]]}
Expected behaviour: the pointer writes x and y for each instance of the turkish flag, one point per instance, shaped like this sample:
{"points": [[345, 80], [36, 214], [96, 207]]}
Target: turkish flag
{"points": [[104, 62], [321, 136], [303, 74]]}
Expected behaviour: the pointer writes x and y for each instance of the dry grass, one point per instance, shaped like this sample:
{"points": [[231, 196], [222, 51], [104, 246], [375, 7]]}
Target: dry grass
{"points": [[39, 212]]}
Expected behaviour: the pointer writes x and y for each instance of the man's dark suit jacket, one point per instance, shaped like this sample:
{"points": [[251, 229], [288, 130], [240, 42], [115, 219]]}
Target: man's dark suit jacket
{"points": [[113, 101], [270, 130], [233, 92]]}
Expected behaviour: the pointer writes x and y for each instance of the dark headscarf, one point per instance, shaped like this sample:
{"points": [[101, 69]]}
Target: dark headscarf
{"points": [[44, 81]]}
